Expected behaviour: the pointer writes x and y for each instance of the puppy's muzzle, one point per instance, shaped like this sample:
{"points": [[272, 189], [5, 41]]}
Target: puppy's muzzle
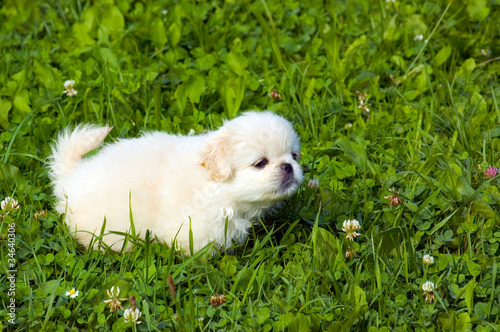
{"points": [[287, 176], [287, 168]]}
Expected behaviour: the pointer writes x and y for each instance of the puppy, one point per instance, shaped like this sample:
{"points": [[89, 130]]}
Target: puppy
{"points": [[212, 184]]}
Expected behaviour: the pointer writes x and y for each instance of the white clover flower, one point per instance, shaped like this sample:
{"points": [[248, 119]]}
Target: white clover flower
{"points": [[70, 91], [191, 132], [217, 299], [390, 0], [9, 204], [485, 52], [419, 37], [348, 126], [113, 292], [113, 301], [164, 12], [313, 184], [132, 315], [394, 198], [275, 95], [363, 102], [350, 227], [428, 260], [72, 293], [69, 84], [40, 213], [428, 288]]}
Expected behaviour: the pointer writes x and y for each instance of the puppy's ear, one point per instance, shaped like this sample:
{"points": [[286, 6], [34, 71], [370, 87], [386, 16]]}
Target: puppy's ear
{"points": [[215, 158]]}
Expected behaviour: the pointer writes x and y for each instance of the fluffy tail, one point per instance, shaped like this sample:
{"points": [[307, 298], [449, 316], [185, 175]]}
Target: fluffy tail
{"points": [[70, 147]]}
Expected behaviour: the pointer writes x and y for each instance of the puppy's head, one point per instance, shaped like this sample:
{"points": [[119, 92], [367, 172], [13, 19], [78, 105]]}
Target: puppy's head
{"points": [[257, 155]]}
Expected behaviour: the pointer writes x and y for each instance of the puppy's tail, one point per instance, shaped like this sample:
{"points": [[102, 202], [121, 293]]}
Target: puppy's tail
{"points": [[70, 147]]}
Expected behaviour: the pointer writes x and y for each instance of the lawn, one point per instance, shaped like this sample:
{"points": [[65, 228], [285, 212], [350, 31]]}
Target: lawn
{"points": [[398, 107]]}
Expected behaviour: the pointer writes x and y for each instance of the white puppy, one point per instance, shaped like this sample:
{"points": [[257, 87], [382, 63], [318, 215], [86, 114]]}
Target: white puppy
{"points": [[170, 183]]}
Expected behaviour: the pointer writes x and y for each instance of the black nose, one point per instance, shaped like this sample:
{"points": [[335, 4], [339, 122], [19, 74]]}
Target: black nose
{"points": [[287, 168]]}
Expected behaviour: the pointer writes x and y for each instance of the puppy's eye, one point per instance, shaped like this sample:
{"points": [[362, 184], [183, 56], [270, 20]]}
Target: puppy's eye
{"points": [[295, 156], [261, 163]]}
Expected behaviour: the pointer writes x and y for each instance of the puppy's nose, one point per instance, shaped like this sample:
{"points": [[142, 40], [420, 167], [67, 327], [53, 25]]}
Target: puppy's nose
{"points": [[287, 168]]}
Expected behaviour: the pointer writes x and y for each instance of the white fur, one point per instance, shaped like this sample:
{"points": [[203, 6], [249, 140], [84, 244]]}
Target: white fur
{"points": [[175, 181]]}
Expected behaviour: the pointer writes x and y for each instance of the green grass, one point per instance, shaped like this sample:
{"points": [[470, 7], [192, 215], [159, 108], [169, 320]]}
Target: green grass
{"points": [[432, 130]]}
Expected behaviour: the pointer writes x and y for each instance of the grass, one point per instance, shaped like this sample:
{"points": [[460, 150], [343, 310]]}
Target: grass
{"points": [[431, 131]]}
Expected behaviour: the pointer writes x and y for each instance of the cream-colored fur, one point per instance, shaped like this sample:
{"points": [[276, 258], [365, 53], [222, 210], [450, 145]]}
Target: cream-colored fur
{"points": [[175, 182]]}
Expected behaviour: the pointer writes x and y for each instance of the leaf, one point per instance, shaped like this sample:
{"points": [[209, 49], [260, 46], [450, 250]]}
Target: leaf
{"points": [[463, 322], [45, 74], [237, 63], [421, 81], [145, 310], [180, 98], [228, 265], [389, 239], [112, 20], [491, 133], [12, 173], [479, 101], [381, 329], [356, 151], [354, 58], [263, 314], [481, 310], [108, 57], [90, 17], [281, 304], [232, 91], [174, 34], [5, 107], [195, 87], [158, 33], [81, 34], [464, 187], [326, 246], [309, 91], [357, 298], [482, 208], [299, 323], [49, 287], [192, 88], [17, 84], [392, 32], [442, 56], [343, 169], [467, 67], [469, 294], [478, 9], [442, 222], [283, 321], [474, 268], [21, 105], [49, 258], [101, 318], [360, 42], [399, 61], [20, 77]]}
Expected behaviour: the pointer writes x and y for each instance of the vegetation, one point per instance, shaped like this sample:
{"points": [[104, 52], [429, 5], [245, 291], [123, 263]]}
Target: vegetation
{"points": [[397, 104]]}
